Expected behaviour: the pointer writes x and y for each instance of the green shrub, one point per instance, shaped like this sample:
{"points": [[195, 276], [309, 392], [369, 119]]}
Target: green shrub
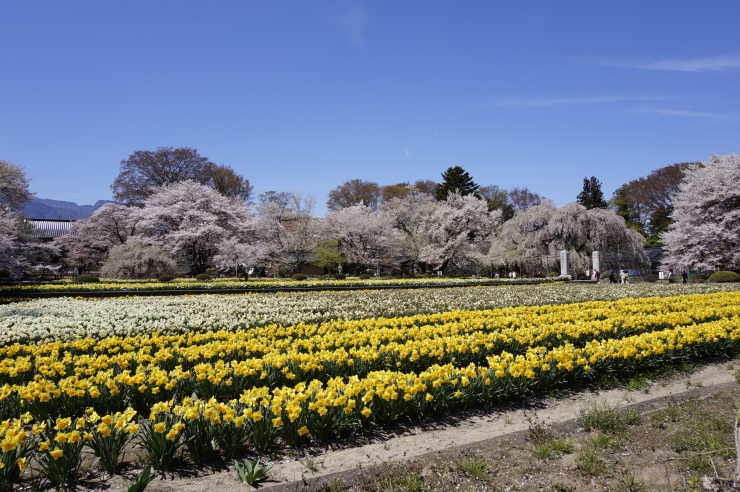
{"points": [[650, 277], [724, 277], [698, 278], [364, 277], [166, 278], [341, 276], [553, 274], [299, 276], [203, 277], [85, 278]]}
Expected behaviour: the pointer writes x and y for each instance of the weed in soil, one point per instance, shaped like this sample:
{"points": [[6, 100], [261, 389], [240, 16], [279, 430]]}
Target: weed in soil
{"points": [[602, 417]]}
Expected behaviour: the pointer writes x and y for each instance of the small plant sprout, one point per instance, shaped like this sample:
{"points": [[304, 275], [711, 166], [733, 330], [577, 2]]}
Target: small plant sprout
{"points": [[312, 464], [140, 482], [251, 472]]}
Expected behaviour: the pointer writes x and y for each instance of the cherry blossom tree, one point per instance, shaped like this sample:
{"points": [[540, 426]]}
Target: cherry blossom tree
{"points": [[706, 215], [138, 260], [411, 214], [189, 221], [362, 233], [433, 233], [288, 229], [13, 186], [90, 240], [454, 226], [534, 237], [19, 252], [525, 239], [235, 254]]}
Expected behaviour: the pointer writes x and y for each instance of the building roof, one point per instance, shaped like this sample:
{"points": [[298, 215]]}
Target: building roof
{"points": [[49, 228], [653, 253]]}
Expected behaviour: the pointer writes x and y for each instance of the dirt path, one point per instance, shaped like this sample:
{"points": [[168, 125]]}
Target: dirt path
{"points": [[414, 443]]}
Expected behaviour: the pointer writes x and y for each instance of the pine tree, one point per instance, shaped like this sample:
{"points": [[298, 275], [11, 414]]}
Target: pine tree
{"points": [[591, 196], [456, 179]]}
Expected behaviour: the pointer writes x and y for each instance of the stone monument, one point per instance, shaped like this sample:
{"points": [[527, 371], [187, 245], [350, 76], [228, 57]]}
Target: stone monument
{"points": [[596, 259], [564, 263]]}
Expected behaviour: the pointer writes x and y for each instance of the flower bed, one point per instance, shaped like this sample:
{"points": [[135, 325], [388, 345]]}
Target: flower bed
{"points": [[258, 388], [66, 286], [65, 319]]}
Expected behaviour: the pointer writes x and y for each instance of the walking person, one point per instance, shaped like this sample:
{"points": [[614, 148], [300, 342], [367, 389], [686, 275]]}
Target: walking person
{"points": [[684, 276], [612, 277]]}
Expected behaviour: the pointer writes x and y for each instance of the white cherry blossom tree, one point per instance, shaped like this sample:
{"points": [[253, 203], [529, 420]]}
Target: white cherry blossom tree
{"points": [[534, 237], [288, 229], [455, 226], [705, 234], [411, 215], [90, 240], [362, 233]]}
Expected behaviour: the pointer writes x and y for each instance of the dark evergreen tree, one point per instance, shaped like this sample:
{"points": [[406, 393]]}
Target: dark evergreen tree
{"points": [[592, 196], [456, 179]]}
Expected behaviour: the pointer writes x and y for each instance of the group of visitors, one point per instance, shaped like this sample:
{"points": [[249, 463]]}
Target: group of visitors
{"points": [[624, 277]]}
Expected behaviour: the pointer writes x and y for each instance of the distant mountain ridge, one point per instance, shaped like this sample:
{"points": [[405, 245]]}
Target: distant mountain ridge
{"points": [[44, 208]]}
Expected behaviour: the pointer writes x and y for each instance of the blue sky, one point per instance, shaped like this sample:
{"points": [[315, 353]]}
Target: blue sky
{"points": [[305, 95]]}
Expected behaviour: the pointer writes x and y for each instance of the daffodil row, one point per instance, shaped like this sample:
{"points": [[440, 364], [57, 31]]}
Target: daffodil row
{"points": [[266, 284], [57, 379], [262, 418], [319, 409], [206, 362], [67, 319]]}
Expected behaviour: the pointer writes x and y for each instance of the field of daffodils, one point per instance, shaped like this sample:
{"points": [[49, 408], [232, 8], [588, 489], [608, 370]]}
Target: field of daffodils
{"points": [[252, 374]]}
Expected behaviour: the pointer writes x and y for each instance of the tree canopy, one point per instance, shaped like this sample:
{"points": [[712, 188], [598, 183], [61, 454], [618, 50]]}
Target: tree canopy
{"points": [[591, 196], [509, 201], [354, 192], [646, 203], [145, 171], [456, 179]]}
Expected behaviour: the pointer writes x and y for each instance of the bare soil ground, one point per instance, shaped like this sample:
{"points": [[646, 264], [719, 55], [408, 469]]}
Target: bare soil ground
{"points": [[537, 445]]}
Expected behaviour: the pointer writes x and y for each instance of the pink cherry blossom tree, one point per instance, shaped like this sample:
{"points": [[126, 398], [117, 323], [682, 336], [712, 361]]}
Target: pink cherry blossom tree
{"points": [[189, 221]]}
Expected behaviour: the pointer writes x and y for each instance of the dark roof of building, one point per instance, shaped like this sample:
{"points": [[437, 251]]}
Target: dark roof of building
{"points": [[653, 253]]}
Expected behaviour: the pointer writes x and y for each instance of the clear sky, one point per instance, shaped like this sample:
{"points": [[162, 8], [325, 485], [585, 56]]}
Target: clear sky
{"points": [[305, 95]]}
